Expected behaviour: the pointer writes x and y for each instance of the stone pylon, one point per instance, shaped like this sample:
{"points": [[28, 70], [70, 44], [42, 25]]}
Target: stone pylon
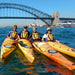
{"points": [[56, 17]]}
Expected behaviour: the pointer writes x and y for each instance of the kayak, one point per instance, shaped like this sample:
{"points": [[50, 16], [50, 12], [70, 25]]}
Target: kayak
{"points": [[8, 46], [47, 50], [27, 49], [63, 48]]}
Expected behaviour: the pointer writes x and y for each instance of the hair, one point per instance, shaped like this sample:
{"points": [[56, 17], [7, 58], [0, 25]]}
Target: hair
{"points": [[48, 30], [25, 27], [15, 26]]}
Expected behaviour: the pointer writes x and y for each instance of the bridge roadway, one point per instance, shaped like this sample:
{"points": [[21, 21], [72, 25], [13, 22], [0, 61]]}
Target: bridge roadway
{"points": [[26, 18], [35, 18], [67, 18]]}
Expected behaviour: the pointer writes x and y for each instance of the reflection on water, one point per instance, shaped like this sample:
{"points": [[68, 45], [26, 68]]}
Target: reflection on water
{"points": [[31, 68], [41, 66], [55, 67]]}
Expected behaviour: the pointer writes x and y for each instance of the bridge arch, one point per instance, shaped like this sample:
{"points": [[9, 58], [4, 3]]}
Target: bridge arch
{"points": [[33, 11]]}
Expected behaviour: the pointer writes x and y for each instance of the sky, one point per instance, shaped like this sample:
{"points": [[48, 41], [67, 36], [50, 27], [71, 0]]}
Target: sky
{"points": [[66, 8]]}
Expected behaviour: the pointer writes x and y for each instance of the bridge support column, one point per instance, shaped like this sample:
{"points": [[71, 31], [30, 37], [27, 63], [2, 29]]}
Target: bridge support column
{"points": [[56, 18]]}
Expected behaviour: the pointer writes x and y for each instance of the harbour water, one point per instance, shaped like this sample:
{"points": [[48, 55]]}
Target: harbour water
{"points": [[17, 64]]}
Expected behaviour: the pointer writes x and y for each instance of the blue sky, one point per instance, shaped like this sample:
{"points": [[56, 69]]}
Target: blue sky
{"points": [[66, 8]]}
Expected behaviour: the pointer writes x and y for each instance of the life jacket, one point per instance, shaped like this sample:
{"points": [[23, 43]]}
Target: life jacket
{"points": [[50, 37], [13, 34], [24, 35], [35, 35]]}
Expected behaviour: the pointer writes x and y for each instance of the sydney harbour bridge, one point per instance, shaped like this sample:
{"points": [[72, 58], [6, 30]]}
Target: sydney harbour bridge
{"points": [[18, 11]]}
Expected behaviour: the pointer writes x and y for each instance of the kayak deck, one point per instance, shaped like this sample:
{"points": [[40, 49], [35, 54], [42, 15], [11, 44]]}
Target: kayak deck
{"points": [[27, 49], [7, 48], [46, 49], [62, 48]]}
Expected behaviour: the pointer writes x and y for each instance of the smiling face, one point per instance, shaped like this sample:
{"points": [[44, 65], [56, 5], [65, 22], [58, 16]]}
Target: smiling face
{"points": [[49, 31], [25, 29], [15, 28], [34, 29]]}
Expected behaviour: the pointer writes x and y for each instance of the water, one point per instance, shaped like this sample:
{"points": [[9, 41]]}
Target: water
{"points": [[17, 64]]}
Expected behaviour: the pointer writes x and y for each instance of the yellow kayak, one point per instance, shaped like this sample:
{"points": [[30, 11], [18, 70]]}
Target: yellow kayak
{"points": [[63, 48], [7, 48], [27, 49], [47, 50]]}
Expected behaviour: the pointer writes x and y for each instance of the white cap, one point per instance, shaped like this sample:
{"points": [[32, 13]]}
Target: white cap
{"points": [[48, 28]]}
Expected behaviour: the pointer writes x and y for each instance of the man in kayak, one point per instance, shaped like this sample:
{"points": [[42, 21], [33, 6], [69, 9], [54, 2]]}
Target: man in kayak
{"points": [[13, 34], [34, 36], [48, 36], [24, 34]]}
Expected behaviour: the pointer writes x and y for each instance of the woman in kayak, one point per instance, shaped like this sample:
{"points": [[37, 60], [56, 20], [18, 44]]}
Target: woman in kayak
{"points": [[48, 36], [13, 34], [34, 36], [24, 34]]}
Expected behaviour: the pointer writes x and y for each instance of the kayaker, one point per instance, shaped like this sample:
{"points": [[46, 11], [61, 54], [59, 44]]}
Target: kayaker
{"points": [[24, 34], [13, 34], [48, 36], [34, 36]]}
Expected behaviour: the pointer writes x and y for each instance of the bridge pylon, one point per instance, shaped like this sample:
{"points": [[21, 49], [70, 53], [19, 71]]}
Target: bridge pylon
{"points": [[56, 17]]}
